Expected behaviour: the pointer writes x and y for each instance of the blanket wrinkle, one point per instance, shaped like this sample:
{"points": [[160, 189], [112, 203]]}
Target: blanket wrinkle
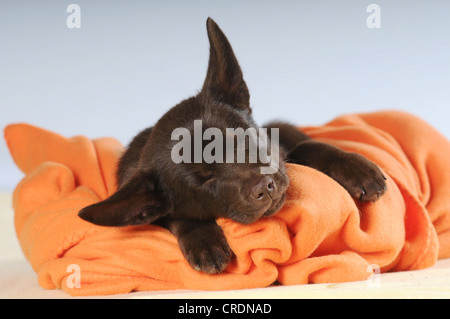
{"points": [[321, 235]]}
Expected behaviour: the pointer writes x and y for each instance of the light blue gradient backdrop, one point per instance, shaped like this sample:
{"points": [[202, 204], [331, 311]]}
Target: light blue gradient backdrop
{"points": [[304, 61]]}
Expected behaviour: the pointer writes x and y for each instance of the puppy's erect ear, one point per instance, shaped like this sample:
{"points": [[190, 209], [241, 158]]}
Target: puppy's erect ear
{"points": [[224, 80], [137, 202]]}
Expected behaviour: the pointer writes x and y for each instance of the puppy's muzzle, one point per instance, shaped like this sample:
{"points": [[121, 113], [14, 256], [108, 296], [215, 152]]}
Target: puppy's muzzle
{"points": [[263, 190]]}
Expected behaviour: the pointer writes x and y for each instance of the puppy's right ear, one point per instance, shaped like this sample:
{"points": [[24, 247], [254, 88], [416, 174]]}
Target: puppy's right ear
{"points": [[137, 202], [224, 80]]}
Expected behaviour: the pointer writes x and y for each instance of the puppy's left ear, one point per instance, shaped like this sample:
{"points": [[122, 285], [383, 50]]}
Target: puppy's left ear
{"points": [[137, 202], [224, 80]]}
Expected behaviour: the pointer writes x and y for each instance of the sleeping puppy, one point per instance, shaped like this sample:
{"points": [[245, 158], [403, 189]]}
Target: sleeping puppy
{"points": [[174, 185]]}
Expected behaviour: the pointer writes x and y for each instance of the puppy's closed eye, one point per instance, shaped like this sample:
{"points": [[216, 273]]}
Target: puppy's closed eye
{"points": [[210, 182], [206, 178]]}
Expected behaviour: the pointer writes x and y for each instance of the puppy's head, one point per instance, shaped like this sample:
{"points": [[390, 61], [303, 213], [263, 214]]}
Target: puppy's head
{"points": [[204, 159]]}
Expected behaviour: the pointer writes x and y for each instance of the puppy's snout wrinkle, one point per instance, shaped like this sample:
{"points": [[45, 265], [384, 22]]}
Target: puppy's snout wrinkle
{"points": [[263, 189]]}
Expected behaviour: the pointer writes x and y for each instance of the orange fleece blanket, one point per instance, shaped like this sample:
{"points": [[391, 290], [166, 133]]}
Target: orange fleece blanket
{"points": [[321, 235]]}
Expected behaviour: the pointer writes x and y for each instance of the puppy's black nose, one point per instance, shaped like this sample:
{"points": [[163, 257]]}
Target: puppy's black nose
{"points": [[263, 188]]}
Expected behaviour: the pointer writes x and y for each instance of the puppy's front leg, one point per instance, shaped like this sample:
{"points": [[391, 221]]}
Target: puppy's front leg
{"points": [[359, 176], [202, 243]]}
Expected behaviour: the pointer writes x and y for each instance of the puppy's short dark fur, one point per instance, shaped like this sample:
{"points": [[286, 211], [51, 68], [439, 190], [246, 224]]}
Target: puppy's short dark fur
{"points": [[187, 198]]}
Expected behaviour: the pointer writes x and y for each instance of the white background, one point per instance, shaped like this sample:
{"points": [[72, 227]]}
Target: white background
{"points": [[303, 61]]}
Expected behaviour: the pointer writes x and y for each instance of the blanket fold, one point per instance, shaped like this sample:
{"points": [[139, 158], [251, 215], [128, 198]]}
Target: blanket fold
{"points": [[321, 234]]}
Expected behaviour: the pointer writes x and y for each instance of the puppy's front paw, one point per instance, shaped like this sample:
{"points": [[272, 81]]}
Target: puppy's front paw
{"points": [[205, 248], [359, 176]]}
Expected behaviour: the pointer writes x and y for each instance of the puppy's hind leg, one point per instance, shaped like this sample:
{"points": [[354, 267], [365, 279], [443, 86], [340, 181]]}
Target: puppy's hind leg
{"points": [[359, 176], [289, 135]]}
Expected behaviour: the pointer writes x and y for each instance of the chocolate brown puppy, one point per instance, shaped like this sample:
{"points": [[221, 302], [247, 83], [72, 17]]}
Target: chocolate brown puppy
{"points": [[198, 163]]}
